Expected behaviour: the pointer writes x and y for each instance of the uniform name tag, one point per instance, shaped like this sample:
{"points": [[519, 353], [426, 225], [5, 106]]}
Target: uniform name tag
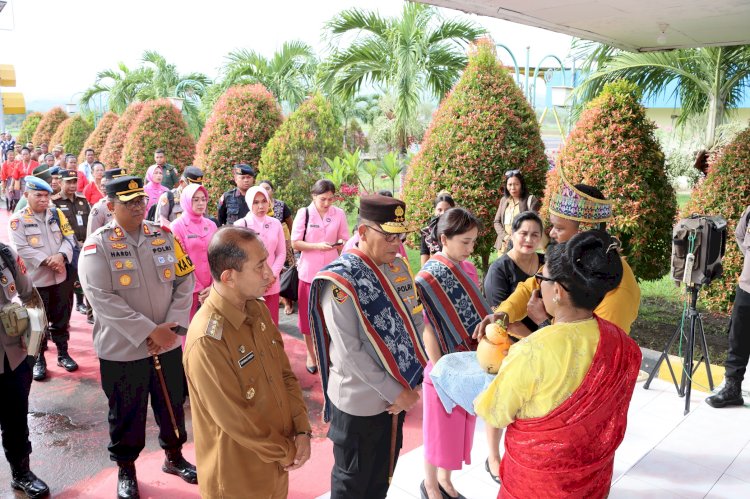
{"points": [[79, 219], [246, 359]]}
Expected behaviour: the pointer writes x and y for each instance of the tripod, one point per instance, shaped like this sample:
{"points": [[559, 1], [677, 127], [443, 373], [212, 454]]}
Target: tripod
{"points": [[689, 366]]}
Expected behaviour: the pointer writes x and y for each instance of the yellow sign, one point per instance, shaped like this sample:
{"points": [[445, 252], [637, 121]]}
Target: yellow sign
{"points": [[7, 75], [13, 103]]}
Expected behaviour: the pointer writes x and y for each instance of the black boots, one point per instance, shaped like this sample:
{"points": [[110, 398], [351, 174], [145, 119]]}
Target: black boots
{"points": [[127, 483], [23, 479], [40, 367], [731, 394], [175, 464], [65, 361]]}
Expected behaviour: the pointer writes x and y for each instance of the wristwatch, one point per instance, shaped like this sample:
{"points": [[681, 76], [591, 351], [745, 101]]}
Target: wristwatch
{"points": [[544, 323]]}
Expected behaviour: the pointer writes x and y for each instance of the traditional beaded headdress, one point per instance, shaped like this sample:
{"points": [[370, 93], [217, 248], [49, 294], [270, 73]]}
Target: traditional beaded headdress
{"points": [[572, 204]]}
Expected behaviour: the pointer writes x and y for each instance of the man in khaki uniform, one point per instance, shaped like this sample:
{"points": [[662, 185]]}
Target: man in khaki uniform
{"points": [[249, 417], [43, 238], [140, 285], [168, 208], [100, 214]]}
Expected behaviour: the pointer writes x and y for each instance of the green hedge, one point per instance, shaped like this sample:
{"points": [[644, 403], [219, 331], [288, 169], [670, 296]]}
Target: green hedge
{"points": [[28, 127], [112, 151], [48, 126], [72, 134], [98, 137]]}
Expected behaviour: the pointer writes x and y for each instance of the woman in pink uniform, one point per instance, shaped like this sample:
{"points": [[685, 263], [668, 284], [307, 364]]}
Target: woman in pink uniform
{"points": [[318, 233], [272, 234], [153, 187], [194, 231]]}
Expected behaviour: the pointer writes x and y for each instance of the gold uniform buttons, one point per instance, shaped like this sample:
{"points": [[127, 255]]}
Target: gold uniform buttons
{"points": [[242, 348], [250, 394]]}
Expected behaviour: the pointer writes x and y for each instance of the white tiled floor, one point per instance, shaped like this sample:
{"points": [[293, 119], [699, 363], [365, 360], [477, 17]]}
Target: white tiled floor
{"points": [[664, 454]]}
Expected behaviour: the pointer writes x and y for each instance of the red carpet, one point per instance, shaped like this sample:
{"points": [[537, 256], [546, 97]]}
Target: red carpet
{"points": [[311, 480]]}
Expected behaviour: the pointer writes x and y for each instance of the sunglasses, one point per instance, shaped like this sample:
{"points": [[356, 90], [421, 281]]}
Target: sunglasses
{"points": [[389, 238], [540, 278], [510, 173]]}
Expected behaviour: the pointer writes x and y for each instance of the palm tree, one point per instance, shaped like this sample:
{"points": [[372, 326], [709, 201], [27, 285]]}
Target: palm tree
{"points": [[406, 56], [288, 74], [709, 81], [118, 86]]}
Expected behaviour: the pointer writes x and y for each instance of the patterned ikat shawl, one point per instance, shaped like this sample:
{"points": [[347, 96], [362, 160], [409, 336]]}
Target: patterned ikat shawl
{"points": [[384, 318]]}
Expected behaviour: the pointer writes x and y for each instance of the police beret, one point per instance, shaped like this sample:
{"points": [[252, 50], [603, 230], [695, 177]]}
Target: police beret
{"points": [[193, 174], [42, 172], [68, 175], [114, 173], [389, 213], [243, 169], [37, 184], [125, 188], [55, 171]]}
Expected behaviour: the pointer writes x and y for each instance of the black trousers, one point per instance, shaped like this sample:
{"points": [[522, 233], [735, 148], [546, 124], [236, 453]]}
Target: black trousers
{"points": [[739, 336], [14, 393], [361, 452], [57, 304], [128, 386]]}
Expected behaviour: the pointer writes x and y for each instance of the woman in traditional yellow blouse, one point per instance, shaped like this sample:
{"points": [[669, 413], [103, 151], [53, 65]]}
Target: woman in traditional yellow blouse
{"points": [[564, 391]]}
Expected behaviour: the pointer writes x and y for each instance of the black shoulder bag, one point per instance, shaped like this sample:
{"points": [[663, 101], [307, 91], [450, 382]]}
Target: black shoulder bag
{"points": [[289, 282]]}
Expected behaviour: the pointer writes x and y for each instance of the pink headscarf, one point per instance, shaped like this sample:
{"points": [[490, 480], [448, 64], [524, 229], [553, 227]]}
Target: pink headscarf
{"points": [[194, 233], [186, 201], [152, 189]]}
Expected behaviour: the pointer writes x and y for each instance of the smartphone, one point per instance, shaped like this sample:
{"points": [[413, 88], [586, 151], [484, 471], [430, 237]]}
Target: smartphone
{"points": [[337, 244], [179, 330]]}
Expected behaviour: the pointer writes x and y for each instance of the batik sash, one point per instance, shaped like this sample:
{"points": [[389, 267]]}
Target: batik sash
{"points": [[453, 303], [383, 316]]}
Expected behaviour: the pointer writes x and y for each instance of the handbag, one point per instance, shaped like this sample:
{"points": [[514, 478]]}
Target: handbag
{"points": [[289, 280]]}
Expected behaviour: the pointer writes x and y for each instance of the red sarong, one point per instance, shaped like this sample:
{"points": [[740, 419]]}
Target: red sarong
{"points": [[571, 451]]}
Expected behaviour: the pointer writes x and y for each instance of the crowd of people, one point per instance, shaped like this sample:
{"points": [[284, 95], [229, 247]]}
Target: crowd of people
{"points": [[182, 302]]}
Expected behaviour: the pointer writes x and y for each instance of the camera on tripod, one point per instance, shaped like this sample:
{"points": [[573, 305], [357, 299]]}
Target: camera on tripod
{"points": [[698, 246]]}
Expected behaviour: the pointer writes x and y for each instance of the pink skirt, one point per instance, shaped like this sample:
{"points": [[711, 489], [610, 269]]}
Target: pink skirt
{"points": [[448, 438], [272, 302], [303, 298]]}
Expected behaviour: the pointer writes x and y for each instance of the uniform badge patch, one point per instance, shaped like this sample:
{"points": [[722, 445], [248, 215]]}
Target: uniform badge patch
{"points": [[146, 230], [3, 280], [89, 249], [13, 224], [246, 359], [119, 233], [119, 246], [215, 326], [167, 273], [339, 295], [250, 394], [12, 287], [158, 242], [125, 280], [34, 241], [119, 265]]}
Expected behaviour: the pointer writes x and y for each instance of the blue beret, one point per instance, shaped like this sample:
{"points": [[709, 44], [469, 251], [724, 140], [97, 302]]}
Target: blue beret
{"points": [[37, 184], [54, 171]]}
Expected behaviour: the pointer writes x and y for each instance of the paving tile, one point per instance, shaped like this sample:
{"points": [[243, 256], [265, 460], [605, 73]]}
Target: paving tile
{"points": [[740, 467], [729, 487], [630, 488], [668, 471]]}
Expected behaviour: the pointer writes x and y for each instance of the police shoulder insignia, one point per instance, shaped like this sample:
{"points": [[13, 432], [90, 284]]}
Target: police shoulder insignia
{"points": [[184, 264], [339, 295], [13, 224], [21, 264], [215, 326]]}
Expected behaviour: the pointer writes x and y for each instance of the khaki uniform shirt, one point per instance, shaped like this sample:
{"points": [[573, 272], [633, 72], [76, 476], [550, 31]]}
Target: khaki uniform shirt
{"points": [[36, 236], [77, 211], [134, 283], [163, 213], [357, 383], [98, 217], [742, 236], [20, 286], [246, 402]]}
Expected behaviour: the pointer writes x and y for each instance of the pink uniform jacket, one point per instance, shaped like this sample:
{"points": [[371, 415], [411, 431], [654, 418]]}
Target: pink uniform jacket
{"points": [[194, 232], [270, 232], [329, 228]]}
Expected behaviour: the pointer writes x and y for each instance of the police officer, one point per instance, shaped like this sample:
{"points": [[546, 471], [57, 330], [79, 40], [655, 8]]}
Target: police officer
{"points": [[45, 173], [171, 174], [44, 239], [15, 377], [140, 285], [168, 206], [739, 327], [100, 214], [232, 205], [76, 209]]}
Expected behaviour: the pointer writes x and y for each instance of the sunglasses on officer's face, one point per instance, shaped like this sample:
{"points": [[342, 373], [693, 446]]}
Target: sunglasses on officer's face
{"points": [[389, 238]]}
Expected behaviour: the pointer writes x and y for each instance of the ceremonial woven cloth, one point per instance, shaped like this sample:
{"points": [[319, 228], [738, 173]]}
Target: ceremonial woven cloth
{"points": [[570, 452], [384, 318], [453, 303]]}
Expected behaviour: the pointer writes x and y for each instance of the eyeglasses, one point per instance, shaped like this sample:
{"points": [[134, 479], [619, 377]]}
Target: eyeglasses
{"points": [[510, 173], [539, 278], [136, 203], [389, 238]]}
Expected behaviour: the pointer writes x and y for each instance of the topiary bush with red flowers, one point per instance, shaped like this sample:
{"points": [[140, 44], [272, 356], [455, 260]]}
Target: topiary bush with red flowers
{"points": [[112, 151], [725, 191], [98, 137], [48, 126], [160, 124], [242, 121], [613, 148], [483, 128], [28, 127], [295, 155], [72, 134]]}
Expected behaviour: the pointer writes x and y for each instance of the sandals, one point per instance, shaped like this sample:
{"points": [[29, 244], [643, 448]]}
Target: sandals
{"points": [[487, 467]]}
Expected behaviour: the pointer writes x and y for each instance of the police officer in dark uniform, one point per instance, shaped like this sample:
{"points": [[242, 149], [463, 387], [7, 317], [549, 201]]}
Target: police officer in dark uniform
{"points": [[139, 282], [15, 376], [232, 205], [76, 209]]}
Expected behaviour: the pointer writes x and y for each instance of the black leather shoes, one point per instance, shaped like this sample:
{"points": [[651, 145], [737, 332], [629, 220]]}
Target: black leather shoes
{"points": [[175, 464], [82, 309], [23, 479], [731, 394], [39, 372], [127, 483], [66, 362]]}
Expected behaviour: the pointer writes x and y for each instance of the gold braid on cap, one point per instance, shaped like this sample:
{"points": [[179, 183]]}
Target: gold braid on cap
{"points": [[572, 204]]}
